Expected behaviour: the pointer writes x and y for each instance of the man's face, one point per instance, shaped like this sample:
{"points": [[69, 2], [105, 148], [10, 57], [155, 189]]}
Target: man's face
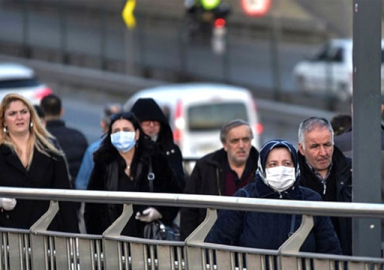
{"points": [[238, 145], [318, 148], [150, 128]]}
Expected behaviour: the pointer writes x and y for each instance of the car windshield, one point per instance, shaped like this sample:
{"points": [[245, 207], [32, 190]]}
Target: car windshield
{"points": [[18, 83], [213, 116]]}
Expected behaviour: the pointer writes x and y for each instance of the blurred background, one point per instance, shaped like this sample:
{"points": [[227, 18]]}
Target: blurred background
{"points": [[286, 52]]}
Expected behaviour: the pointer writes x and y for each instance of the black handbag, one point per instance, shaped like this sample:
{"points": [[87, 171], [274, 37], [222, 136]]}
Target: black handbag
{"points": [[156, 229]]}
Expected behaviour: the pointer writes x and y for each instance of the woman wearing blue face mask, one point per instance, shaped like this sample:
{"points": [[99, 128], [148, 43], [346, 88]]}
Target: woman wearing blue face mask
{"points": [[277, 178], [124, 162]]}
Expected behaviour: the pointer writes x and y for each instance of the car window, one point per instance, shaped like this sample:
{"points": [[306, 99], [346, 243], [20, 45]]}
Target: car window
{"points": [[323, 53], [214, 115], [18, 83], [338, 56]]}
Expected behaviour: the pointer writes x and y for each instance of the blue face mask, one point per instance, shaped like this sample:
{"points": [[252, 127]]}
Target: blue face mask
{"points": [[123, 141]]}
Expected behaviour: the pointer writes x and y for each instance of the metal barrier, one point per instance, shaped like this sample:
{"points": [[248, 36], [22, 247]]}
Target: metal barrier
{"points": [[40, 249]]}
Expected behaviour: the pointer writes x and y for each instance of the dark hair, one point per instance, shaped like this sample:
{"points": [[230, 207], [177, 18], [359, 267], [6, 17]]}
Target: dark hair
{"points": [[109, 110], [107, 150], [341, 123], [51, 105], [39, 110]]}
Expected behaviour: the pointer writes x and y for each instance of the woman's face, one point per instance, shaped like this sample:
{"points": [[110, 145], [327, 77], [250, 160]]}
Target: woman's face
{"points": [[17, 118], [279, 157], [124, 125]]}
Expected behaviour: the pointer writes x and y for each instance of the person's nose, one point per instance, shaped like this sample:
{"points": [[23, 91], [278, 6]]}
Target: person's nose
{"points": [[241, 144], [322, 151]]}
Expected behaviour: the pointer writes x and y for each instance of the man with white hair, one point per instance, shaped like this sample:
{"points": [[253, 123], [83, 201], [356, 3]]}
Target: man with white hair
{"points": [[326, 170]]}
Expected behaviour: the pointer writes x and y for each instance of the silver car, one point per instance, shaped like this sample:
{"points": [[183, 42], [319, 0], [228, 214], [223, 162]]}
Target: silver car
{"points": [[17, 78]]}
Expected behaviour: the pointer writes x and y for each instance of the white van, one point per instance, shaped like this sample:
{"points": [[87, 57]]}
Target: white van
{"points": [[196, 112]]}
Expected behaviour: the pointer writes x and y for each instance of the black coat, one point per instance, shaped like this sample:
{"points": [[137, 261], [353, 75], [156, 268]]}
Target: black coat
{"points": [[108, 174], [72, 142], [208, 178], [342, 173], [44, 172]]}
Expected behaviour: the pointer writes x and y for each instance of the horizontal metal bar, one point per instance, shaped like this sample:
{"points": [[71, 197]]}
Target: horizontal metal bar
{"points": [[314, 208]]}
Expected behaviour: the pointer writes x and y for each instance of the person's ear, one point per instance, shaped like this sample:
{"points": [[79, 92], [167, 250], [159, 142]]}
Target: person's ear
{"points": [[62, 111], [137, 136], [301, 149]]}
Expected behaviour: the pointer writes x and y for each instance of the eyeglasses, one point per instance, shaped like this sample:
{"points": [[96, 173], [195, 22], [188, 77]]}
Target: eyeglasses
{"points": [[125, 115], [149, 122]]}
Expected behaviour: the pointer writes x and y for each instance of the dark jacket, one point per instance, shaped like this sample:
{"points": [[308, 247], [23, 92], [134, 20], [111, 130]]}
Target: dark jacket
{"points": [[147, 109], [44, 172], [342, 173], [270, 230], [72, 142], [208, 178], [108, 174]]}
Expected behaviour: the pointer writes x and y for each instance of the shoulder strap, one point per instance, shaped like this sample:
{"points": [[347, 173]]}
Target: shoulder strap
{"points": [[113, 175], [151, 175]]}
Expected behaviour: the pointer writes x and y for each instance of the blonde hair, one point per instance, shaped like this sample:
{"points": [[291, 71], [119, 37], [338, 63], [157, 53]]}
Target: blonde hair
{"points": [[39, 136]]}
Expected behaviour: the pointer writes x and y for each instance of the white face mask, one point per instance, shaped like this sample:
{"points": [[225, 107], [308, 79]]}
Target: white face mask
{"points": [[123, 141], [280, 178]]}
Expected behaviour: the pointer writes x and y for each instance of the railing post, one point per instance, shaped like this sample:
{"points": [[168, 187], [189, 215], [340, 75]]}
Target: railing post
{"points": [[112, 248], [38, 244], [195, 254], [293, 244]]}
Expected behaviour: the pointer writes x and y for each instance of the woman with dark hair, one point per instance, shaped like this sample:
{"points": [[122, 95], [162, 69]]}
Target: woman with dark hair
{"points": [[123, 163]]}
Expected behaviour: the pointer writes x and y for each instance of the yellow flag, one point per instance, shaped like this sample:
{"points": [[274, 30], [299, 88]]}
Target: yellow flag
{"points": [[127, 14]]}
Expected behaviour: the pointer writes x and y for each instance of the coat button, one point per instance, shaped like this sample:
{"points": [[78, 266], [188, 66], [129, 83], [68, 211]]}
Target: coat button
{"points": [[172, 151], [342, 183], [167, 153], [7, 216]]}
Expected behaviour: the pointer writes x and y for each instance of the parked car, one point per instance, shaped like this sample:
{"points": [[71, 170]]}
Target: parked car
{"points": [[17, 78], [196, 112], [329, 71]]}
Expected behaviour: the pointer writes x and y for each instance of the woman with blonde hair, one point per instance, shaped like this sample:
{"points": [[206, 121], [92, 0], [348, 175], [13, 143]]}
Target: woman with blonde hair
{"points": [[30, 159]]}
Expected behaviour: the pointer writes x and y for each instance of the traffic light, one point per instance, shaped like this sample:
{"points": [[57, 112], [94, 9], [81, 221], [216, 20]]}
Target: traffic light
{"points": [[210, 4]]}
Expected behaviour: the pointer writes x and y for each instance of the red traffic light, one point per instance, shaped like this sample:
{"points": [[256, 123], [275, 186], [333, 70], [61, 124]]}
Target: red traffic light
{"points": [[257, 8], [219, 23]]}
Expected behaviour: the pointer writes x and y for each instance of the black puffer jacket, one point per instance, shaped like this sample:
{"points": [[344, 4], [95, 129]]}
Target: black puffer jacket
{"points": [[208, 178]]}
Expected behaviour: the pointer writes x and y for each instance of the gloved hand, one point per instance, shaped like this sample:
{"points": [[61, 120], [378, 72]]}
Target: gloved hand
{"points": [[148, 215], [7, 203]]}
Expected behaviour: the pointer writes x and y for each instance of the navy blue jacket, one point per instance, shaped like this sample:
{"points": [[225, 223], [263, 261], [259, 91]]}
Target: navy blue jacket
{"points": [[270, 230]]}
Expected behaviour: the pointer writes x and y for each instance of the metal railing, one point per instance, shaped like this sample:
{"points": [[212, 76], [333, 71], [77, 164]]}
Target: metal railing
{"points": [[38, 248]]}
